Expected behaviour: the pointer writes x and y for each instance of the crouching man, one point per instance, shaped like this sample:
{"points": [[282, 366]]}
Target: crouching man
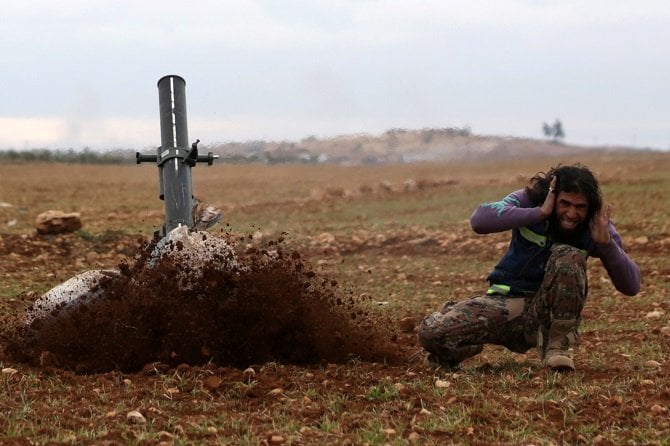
{"points": [[538, 289]]}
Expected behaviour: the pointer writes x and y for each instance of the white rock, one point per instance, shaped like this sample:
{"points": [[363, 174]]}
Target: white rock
{"points": [[656, 314], [194, 249], [70, 293], [642, 240], [136, 417], [57, 222], [414, 437], [657, 409]]}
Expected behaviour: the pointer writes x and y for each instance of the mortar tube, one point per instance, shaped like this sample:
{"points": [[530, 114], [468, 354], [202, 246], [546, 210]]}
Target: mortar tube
{"points": [[175, 176]]}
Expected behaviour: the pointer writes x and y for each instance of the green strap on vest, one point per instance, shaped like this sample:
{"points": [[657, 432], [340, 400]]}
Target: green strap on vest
{"points": [[498, 289], [533, 237]]}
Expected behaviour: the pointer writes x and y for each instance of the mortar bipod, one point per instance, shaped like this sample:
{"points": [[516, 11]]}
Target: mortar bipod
{"points": [[173, 158]]}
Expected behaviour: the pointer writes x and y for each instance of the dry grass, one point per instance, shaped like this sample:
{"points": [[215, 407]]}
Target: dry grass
{"points": [[408, 247]]}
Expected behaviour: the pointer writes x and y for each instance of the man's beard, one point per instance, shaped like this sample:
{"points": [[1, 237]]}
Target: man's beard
{"points": [[558, 234]]}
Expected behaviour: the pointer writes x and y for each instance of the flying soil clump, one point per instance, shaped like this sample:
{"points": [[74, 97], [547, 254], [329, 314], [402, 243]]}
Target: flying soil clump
{"points": [[194, 297]]}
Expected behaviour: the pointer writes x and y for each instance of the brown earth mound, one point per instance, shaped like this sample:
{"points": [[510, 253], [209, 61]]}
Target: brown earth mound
{"points": [[273, 307]]}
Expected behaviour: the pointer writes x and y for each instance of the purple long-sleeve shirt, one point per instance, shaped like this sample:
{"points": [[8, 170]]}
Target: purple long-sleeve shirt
{"points": [[516, 210]]}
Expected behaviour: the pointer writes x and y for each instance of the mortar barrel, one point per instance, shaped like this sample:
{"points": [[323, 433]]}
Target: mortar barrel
{"points": [[175, 176]]}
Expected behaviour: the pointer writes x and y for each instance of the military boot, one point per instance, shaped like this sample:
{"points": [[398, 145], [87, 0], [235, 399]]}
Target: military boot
{"points": [[554, 344]]}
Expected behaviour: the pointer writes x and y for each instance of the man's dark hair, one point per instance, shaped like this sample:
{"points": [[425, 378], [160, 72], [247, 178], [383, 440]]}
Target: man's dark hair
{"points": [[576, 179]]}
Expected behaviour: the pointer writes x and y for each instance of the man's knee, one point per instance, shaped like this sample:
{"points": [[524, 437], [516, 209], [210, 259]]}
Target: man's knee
{"points": [[566, 268], [465, 323], [566, 259], [432, 331], [564, 289]]}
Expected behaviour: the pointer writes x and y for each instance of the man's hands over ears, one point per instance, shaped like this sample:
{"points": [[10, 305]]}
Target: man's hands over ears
{"points": [[547, 207], [600, 225]]}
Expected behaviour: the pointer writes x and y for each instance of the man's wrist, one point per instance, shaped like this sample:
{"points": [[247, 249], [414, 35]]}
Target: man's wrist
{"points": [[603, 244]]}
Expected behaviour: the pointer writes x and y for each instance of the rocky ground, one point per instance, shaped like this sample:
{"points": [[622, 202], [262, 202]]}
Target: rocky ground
{"points": [[314, 342]]}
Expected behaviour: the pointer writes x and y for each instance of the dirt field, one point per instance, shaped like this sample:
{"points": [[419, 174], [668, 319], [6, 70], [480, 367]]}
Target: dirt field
{"points": [[318, 345]]}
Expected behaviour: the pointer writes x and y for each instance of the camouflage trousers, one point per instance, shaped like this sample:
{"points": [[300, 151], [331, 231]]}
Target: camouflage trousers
{"points": [[459, 330]]}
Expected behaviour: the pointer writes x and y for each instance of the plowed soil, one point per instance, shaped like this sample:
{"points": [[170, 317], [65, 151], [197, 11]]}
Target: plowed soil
{"points": [[313, 342]]}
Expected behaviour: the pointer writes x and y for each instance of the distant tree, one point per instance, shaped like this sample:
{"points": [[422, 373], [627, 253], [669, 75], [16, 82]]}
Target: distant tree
{"points": [[555, 131], [558, 130]]}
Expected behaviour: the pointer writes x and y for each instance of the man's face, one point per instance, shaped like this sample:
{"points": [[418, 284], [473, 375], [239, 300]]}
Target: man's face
{"points": [[571, 210]]}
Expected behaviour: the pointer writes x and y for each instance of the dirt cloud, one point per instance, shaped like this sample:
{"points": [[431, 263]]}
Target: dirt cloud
{"points": [[272, 306]]}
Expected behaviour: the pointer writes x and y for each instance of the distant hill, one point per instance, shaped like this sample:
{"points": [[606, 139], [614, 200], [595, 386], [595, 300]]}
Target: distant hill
{"points": [[396, 146], [392, 146]]}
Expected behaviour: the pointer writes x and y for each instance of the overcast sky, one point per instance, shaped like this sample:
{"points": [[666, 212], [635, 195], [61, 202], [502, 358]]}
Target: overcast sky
{"points": [[83, 73]]}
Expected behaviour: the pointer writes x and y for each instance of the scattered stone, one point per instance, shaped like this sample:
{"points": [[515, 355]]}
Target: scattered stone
{"points": [[337, 192], [441, 384], [365, 189], [656, 314], [276, 391], [57, 222], [414, 437], [642, 240], [164, 435], [385, 186], [616, 400], [212, 382], [657, 409], [135, 417], [652, 364], [325, 238], [171, 391], [401, 388], [600, 439]]}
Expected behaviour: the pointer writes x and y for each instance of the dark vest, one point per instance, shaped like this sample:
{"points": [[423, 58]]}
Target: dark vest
{"points": [[521, 270]]}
